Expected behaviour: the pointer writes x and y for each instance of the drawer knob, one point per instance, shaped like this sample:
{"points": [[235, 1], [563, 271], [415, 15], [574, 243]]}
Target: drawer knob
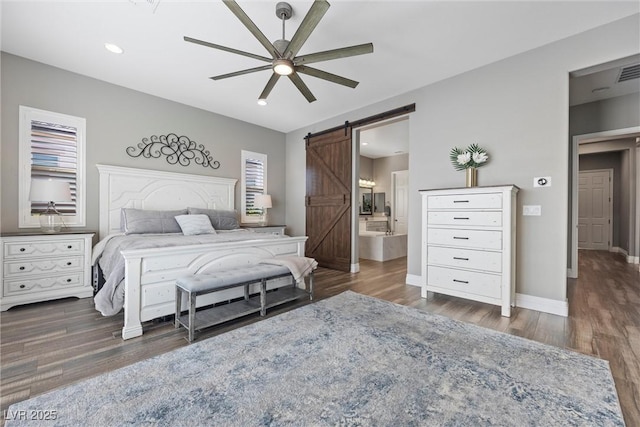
{"points": [[69, 246], [22, 249], [460, 281], [21, 267], [69, 263], [68, 280], [22, 286]]}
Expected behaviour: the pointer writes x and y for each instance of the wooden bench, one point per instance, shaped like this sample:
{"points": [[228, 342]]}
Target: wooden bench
{"points": [[201, 284]]}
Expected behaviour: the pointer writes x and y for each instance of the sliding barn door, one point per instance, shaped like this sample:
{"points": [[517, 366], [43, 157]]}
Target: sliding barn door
{"points": [[328, 200]]}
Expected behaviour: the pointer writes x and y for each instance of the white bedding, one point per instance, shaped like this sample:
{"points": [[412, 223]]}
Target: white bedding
{"points": [[107, 253]]}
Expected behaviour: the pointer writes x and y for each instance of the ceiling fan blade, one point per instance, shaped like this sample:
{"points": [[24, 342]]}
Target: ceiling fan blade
{"points": [[226, 49], [295, 78], [309, 23], [233, 6], [327, 76], [239, 73], [270, 84], [343, 52]]}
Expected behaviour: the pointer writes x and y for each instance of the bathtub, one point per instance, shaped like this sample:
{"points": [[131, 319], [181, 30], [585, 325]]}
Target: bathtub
{"points": [[377, 246]]}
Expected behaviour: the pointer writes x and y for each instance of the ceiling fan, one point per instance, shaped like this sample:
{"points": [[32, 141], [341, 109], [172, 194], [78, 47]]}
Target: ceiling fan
{"points": [[284, 61]]}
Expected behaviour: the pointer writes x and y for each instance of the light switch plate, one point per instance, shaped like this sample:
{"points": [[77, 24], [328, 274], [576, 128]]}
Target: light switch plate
{"points": [[531, 210], [542, 181]]}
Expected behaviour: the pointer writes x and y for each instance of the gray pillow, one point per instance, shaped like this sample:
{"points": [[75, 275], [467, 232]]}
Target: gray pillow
{"points": [[193, 225], [142, 221], [221, 220]]}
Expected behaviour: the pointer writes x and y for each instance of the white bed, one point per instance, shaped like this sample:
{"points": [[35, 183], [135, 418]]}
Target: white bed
{"points": [[149, 283]]}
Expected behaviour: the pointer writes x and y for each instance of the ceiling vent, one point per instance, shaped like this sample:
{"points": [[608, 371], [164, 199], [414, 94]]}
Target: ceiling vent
{"points": [[629, 73], [152, 4]]}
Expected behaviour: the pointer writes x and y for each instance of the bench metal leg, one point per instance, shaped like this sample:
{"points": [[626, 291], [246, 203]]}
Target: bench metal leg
{"points": [[192, 315], [178, 307], [311, 286], [263, 297]]}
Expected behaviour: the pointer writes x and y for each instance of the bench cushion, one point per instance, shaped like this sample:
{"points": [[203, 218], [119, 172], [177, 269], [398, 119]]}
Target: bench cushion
{"points": [[230, 277]]}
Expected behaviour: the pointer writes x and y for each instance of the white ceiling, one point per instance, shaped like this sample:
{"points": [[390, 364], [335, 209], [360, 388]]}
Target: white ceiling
{"points": [[415, 43]]}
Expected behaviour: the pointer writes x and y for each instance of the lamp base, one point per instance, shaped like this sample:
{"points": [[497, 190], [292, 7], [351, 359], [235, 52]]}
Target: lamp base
{"points": [[263, 219], [51, 221]]}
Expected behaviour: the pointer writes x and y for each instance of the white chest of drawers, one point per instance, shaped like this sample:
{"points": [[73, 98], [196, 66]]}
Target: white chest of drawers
{"points": [[468, 244], [42, 267]]}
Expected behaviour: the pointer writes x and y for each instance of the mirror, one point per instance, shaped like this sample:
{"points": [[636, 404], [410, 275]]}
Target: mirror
{"points": [[378, 203], [366, 201]]}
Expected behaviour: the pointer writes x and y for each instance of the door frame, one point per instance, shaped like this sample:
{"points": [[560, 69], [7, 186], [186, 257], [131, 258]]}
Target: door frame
{"points": [[572, 270], [610, 173], [394, 209], [355, 169]]}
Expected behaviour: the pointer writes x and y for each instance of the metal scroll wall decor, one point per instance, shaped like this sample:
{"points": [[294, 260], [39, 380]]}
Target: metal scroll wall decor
{"points": [[177, 149]]}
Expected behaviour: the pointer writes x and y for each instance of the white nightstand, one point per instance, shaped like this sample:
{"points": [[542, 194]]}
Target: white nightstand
{"points": [[269, 229], [42, 267]]}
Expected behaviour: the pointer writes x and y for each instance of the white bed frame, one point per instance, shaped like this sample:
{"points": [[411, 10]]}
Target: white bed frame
{"points": [[150, 274]]}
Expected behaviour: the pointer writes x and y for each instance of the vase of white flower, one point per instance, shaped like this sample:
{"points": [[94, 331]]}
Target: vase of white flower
{"points": [[472, 177], [469, 160]]}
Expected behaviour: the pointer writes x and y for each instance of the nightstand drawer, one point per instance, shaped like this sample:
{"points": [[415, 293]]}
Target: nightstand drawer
{"points": [[465, 258], [43, 248], [39, 266], [483, 284], [458, 218], [480, 239], [16, 286], [465, 201]]}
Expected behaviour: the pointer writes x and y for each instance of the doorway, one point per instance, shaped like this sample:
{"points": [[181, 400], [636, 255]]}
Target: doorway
{"points": [[595, 209]]}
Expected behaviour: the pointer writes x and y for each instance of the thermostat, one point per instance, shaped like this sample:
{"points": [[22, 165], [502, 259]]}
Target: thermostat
{"points": [[542, 181]]}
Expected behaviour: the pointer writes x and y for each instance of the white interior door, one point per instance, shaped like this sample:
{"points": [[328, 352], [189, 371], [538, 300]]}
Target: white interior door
{"points": [[594, 209], [399, 210]]}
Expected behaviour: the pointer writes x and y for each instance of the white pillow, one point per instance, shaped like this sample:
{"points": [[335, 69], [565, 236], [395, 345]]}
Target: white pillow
{"points": [[195, 224]]}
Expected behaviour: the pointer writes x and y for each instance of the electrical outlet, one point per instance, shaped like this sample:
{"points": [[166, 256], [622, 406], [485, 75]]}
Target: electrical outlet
{"points": [[531, 210], [542, 181]]}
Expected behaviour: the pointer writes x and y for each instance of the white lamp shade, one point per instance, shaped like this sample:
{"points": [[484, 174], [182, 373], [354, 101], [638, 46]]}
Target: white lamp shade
{"points": [[49, 190], [262, 201]]}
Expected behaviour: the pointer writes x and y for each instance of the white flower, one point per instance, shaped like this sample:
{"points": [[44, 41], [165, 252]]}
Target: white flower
{"points": [[464, 158], [480, 157]]}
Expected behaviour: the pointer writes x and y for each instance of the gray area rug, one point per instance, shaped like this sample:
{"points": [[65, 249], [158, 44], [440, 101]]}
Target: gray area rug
{"points": [[349, 360]]}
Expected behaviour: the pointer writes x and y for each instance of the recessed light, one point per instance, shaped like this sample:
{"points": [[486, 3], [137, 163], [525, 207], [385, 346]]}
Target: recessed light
{"points": [[113, 48], [262, 102], [365, 143], [600, 89]]}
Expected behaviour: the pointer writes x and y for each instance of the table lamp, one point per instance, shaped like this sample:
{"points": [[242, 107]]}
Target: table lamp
{"points": [[51, 191], [263, 201]]}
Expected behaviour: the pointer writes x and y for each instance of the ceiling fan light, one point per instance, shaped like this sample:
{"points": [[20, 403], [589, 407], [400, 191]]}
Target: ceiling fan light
{"points": [[282, 67], [262, 102]]}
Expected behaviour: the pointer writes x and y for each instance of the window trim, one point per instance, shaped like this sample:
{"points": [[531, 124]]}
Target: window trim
{"points": [[245, 155], [26, 116]]}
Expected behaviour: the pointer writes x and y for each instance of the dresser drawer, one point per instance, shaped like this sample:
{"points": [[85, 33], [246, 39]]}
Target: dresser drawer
{"points": [[484, 284], [17, 286], [45, 265], [465, 201], [465, 258], [461, 218], [43, 248], [480, 239]]}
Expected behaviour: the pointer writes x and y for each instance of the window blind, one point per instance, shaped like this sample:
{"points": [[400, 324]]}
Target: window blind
{"points": [[54, 155], [254, 178]]}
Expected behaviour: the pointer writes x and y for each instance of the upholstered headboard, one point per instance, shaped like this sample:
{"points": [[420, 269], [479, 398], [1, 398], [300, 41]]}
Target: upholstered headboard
{"points": [[122, 187]]}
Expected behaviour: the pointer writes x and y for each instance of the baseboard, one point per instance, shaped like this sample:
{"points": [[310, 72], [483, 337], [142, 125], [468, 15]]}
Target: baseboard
{"points": [[413, 280], [618, 250], [630, 259], [633, 259], [545, 305], [355, 268]]}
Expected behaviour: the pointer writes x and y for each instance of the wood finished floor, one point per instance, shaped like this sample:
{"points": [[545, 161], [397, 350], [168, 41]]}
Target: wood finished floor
{"points": [[48, 345]]}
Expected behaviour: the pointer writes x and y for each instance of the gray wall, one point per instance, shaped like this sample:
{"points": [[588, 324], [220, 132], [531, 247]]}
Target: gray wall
{"points": [[117, 118], [518, 110], [614, 113], [620, 220], [382, 169]]}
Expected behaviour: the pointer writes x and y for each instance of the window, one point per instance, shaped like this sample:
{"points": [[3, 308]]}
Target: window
{"points": [[52, 146], [254, 182]]}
